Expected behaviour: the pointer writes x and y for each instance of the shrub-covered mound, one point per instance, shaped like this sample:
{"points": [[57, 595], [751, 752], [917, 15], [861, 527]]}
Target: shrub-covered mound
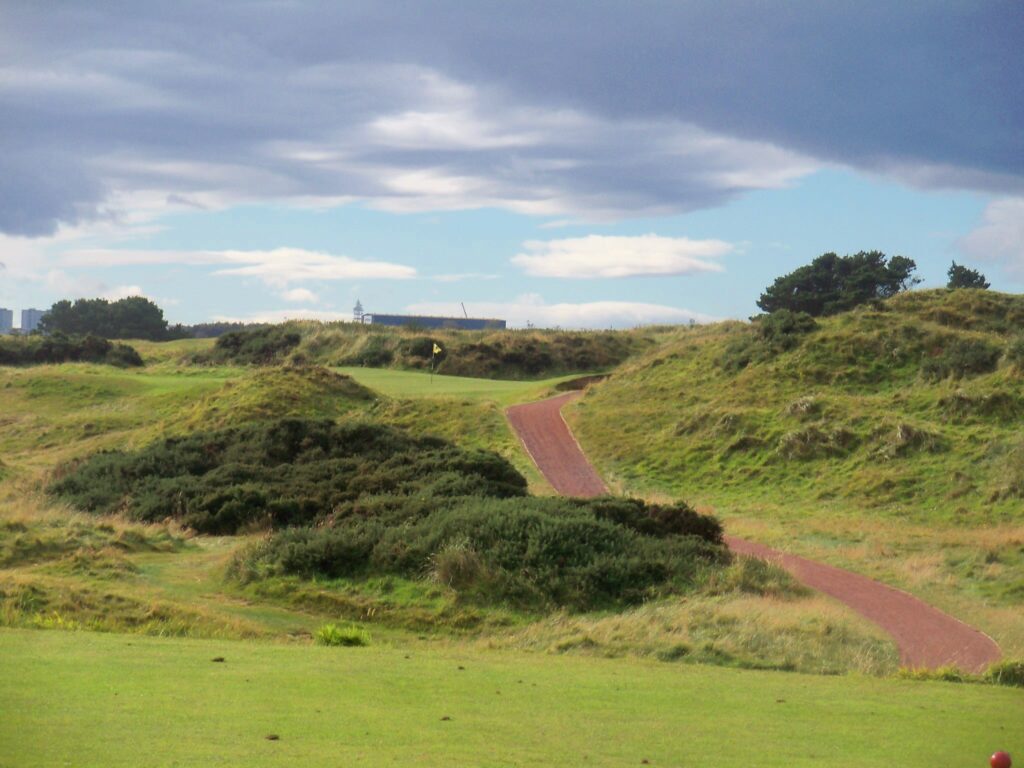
{"points": [[284, 472], [258, 346], [488, 354], [529, 552], [58, 348]]}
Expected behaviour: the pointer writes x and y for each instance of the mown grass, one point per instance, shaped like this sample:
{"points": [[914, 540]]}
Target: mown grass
{"points": [[106, 700], [845, 447], [417, 384]]}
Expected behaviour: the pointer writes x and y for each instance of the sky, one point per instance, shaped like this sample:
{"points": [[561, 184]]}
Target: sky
{"points": [[584, 164]]}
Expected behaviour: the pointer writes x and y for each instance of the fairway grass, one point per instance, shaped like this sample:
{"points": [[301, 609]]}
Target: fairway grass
{"points": [[415, 384], [90, 699]]}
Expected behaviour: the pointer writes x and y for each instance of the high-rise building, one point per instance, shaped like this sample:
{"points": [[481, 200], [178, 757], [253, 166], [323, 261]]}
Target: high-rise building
{"points": [[6, 321], [30, 319]]}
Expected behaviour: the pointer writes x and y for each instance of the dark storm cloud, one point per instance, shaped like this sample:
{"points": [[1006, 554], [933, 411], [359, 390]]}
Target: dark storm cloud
{"points": [[585, 108]]}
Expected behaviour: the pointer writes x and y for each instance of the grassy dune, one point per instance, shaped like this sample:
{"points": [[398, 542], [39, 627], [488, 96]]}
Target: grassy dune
{"points": [[56, 414], [859, 445], [109, 700]]}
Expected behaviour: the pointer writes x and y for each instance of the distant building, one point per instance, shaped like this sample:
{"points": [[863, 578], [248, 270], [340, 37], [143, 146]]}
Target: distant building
{"points": [[30, 319], [422, 321], [6, 321]]}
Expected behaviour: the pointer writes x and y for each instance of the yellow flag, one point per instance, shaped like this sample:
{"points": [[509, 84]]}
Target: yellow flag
{"points": [[437, 349]]}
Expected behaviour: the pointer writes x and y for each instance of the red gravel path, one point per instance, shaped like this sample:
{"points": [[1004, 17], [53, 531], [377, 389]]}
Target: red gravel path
{"points": [[925, 636]]}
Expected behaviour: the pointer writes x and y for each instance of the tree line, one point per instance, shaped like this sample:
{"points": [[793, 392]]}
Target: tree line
{"points": [[135, 317], [831, 283]]}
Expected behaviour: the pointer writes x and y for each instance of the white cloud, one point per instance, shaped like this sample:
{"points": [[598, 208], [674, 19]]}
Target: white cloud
{"points": [[286, 265], [601, 256], [277, 267], [1001, 235], [531, 309], [301, 295]]}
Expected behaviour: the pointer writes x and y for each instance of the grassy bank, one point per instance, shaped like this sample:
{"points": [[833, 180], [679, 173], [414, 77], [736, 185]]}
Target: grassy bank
{"points": [[885, 440]]}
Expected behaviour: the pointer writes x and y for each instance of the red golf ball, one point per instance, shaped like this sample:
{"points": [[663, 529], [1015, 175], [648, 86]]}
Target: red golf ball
{"points": [[1000, 760]]}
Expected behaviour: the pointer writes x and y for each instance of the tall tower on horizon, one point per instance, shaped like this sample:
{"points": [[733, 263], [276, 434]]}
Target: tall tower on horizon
{"points": [[357, 312]]}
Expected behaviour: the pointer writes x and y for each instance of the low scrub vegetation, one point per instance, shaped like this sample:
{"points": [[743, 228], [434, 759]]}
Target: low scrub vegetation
{"points": [[58, 348], [483, 354], [257, 346], [534, 553], [279, 473], [362, 500]]}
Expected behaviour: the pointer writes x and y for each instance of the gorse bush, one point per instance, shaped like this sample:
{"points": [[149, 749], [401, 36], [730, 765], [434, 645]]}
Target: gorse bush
{"points": [[259, 346], [528, 552], [374, 353], [58, 348], [280, 473]]}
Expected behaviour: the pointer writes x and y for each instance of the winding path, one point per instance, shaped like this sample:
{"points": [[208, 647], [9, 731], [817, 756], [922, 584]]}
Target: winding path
{"points": [[925, 636]]}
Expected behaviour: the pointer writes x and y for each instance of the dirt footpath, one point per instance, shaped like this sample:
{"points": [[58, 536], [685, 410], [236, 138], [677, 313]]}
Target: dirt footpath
{"points": [[925, 636]]}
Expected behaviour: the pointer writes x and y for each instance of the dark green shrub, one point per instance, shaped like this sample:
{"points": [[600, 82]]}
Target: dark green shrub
{"points": [[124, 356], [375, 354], [282, 473], [259, 346], [419, 346], [58, 348], [962, 357], [782, 330], [532, 552]]}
